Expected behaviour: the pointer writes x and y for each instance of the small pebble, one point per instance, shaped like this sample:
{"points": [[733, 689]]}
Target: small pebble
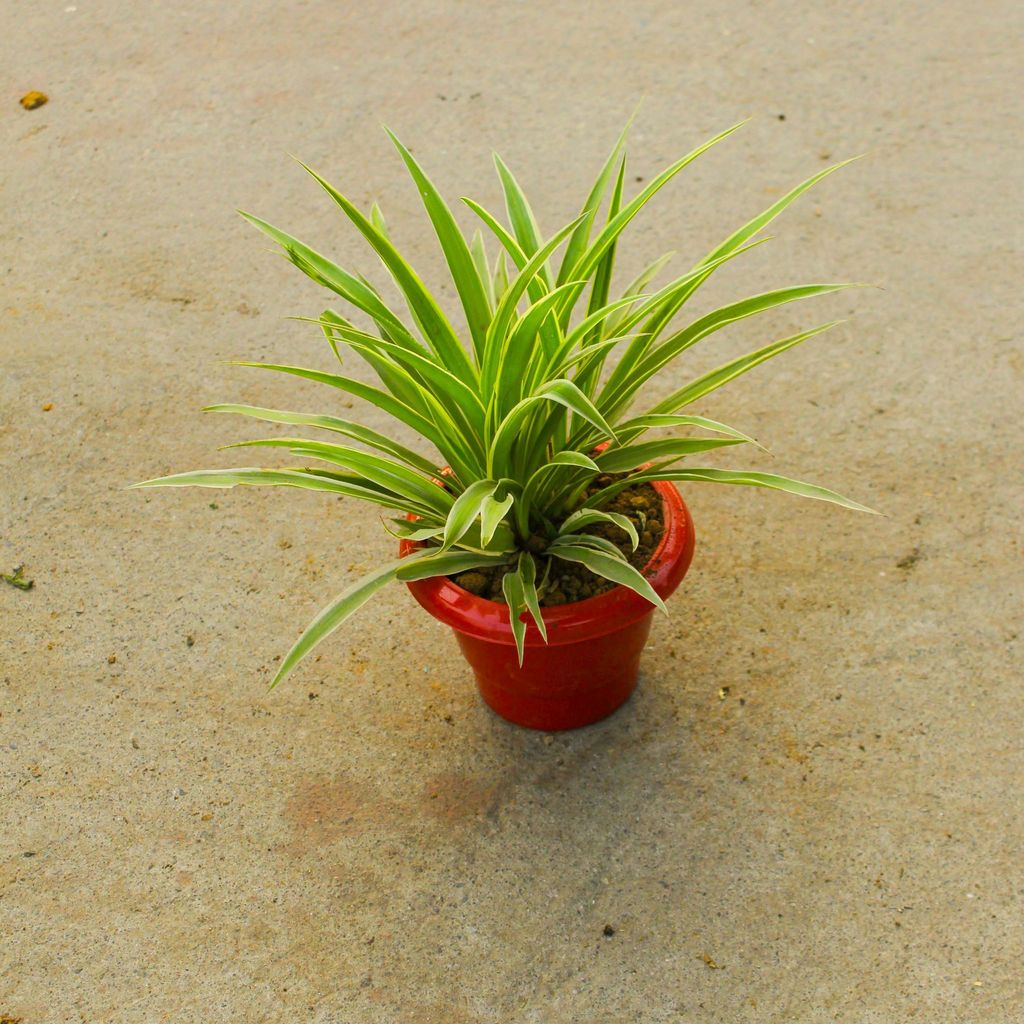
{"points": [[34, 99]]}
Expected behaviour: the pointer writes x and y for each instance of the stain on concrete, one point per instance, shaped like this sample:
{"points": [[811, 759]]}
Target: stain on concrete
{"points": [[321, 810], [452, 797]]}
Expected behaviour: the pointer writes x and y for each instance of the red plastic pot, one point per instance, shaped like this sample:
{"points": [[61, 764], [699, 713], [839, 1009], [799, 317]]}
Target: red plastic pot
{"points": [[589, 666]]}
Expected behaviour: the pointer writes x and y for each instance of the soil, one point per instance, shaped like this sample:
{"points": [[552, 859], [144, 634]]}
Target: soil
{"points": [[570, 581]]}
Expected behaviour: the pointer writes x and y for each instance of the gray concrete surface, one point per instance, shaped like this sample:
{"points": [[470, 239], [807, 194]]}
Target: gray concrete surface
{"points": [[810, 812]]}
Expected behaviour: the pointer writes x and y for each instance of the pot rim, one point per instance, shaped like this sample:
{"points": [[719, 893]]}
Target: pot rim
{"points": [[577, 620]]}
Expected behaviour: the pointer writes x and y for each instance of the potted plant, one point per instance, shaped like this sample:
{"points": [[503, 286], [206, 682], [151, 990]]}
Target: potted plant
{"points": [[545, 525]]}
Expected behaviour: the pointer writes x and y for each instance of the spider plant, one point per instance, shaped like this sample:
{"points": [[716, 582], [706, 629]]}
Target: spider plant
{"points": [[532, 405]]}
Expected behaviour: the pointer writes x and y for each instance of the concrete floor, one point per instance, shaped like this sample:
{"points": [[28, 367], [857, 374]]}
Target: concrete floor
{"points": [[811, 811]]}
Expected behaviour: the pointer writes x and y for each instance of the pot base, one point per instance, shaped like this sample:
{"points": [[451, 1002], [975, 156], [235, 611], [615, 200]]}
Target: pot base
{"points": [[558, 689]]}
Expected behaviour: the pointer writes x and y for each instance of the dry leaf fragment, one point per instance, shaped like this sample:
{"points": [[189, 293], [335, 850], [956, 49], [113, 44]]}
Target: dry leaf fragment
{"points": [[34, 99], [710, 963], [17, 579]]}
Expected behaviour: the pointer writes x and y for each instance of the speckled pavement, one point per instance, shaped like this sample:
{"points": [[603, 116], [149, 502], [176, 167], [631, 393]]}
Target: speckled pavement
{"points": [[810, 812]]}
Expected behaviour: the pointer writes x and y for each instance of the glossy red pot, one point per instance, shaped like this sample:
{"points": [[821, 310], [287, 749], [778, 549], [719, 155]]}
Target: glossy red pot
{"points": [[590, 664]]}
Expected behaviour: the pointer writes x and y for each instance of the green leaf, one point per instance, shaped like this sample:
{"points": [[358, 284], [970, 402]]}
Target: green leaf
{"points": [[586, 358], [453, 393], [250, 476], [463, 269], [331, 276], [506, 373], [590, 259], [578, 243], [627, 457], [378, 221], [656, 312], [571, 458], [446, 563], [515, 598], [520, 590], [504, 314], [635, 288], [381, 399], [618, 570], [391, 475], [333, 423], [762, 220], [589, 540], [331, 617], [438, 331], [578, 335], [541, 477], [405, 529], [528, 574], [479, 254], [520, 216], [714, 379], [337, 329], [449, 442], [492, 512], [593, 351], [745, 478], [466, 510], [509, 243], [563, 392], [603, 271], [500, 279], [633, 428], [613, 399], [537, 287], [584, 517]]}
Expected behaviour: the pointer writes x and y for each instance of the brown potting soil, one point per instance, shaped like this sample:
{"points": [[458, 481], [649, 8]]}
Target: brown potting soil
{"points": [[571, 581]]}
